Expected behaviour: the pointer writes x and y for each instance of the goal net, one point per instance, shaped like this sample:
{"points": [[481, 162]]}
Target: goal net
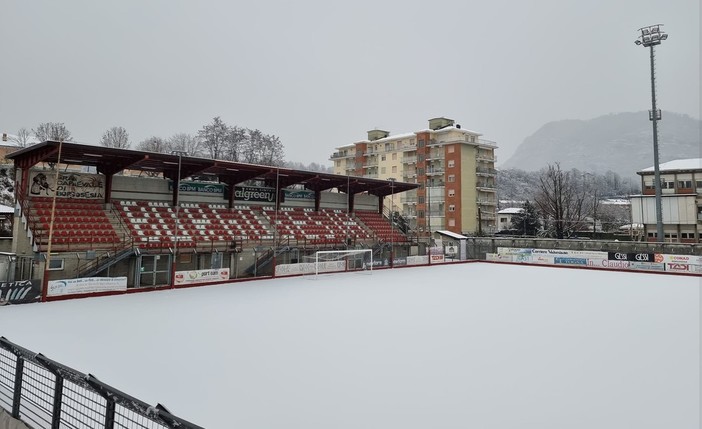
{"points": [[326, 261]]}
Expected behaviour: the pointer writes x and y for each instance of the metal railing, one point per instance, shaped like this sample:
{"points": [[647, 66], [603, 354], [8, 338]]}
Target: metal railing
{"points": [[46, 394]]}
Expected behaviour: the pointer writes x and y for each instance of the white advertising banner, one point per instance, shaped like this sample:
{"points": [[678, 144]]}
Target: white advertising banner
{"points": [[551, 253], [646, 266], [201, 276], [308, 268], [437, 259], [679, 259], [607, 263], [417, 260], [86, 285], [69, 185]]}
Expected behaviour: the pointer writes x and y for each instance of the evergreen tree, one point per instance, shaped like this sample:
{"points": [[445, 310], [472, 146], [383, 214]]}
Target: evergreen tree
{"points": [[527, 222]]}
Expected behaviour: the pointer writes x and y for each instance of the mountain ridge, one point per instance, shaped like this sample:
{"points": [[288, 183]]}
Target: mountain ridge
{"points": [[618, 142]]}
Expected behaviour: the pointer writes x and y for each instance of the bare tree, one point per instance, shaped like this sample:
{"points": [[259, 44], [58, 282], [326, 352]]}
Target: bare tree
{"points": [[56, 131], [185, 143], [561, 201], [236, 140], [154, 144], [23, 138], [259, 148], [214, 137], [116, 137]]}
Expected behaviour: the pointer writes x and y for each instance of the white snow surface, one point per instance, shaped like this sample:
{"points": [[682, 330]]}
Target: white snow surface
{"points": [[456, 346], [678, 164]]}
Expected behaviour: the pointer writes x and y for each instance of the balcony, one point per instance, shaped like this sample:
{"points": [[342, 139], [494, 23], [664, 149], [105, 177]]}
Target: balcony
{"points": [[339, 155], [409, 160], [484, 142], [408, 200], [485, 202], [485, 158], [484, 171], [486, 187], [371, 175]]}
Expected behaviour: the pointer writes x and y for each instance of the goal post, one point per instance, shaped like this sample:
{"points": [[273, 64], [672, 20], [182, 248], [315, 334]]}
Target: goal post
{"points": [[343, 260]]}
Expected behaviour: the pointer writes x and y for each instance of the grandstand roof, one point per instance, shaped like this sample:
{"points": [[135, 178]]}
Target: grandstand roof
{"points": [[109, 161]]}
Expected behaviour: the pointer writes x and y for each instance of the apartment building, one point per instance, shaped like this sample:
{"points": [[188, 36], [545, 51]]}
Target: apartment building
{"points": [[681, 189], [454, 166]]}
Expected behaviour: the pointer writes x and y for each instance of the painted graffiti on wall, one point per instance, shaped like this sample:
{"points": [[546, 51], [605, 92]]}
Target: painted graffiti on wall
{"points": [[69, 185]]}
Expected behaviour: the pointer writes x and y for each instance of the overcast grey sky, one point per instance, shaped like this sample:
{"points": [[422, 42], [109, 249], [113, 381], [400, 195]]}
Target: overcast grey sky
{"points": [[319, 74]]}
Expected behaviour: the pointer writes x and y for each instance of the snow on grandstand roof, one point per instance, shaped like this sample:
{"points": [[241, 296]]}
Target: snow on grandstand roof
{"points": [[6, 209], [678, 164], [511, 210], [451, 234]]}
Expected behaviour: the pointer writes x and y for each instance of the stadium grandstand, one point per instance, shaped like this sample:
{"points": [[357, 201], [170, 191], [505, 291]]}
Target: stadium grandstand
{"points": [[90, 211]]}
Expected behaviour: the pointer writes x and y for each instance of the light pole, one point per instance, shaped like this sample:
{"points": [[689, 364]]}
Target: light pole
{"points": [[650, 37], [180, 154], [392, 221]]}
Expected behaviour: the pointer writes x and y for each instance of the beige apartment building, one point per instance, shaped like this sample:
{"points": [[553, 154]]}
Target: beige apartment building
{"points": [[454, 166]]}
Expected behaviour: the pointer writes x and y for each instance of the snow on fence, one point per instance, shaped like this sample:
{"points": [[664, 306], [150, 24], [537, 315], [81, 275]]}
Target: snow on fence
{"points": [[46, 394]]}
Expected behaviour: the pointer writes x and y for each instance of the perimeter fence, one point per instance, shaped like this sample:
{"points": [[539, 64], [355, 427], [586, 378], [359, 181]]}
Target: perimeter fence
{"points": [[46, 394]]}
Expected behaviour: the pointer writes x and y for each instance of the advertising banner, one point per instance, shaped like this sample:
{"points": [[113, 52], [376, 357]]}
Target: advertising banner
{"points": [[437, 259], [552, 252], [201, 276], [20, 292], [570, 261], [647, 266], [677, 267], [639, 257], [199, 187], [298, 194], [69, 185], [681, 259], [607, 263], [86, 285], [417, 260]]}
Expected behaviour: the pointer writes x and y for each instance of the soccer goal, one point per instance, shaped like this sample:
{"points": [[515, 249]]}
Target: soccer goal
{"points": [[360, 260]]}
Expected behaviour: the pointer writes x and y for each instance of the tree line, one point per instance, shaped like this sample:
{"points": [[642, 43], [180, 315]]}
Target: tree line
{"points": [[216, 140], [559, 203]]}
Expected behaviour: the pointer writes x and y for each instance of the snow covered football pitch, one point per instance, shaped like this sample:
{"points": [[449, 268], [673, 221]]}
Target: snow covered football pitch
{"points": [[456, 346]]}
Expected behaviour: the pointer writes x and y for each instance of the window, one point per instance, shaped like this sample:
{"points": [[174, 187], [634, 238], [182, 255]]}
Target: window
{"points": [[420, 199], [503, 219], [450, 149], [699, 184], [394, 168], [382, 170], [55, 264], [382, 157], [685, 184], [687, 235], [451, 163], [420, 213], [338, 163], [420, 172], [420, 143], [452, 222], [420, 157], [452, 208], [667, 184], [451, 178], [394, 156], [451, 192]]}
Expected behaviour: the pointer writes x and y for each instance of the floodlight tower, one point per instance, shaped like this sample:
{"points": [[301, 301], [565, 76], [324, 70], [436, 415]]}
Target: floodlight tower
{"points": [[650, 37]]}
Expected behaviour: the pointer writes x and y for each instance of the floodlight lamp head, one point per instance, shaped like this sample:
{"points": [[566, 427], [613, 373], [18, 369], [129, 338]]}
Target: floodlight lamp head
{"points": [[637, 41]]}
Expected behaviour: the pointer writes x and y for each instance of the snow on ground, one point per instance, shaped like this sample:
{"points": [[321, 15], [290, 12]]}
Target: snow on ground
{"points": [[456, 346]]}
